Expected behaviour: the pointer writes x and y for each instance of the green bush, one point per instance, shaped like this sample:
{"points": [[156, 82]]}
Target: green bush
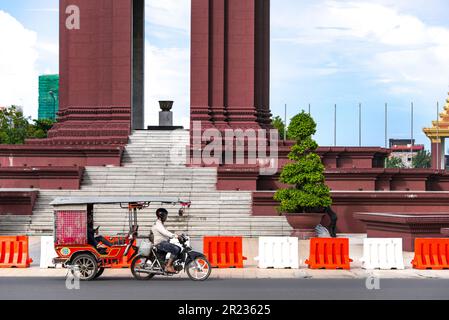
{"points": [[278, 124], [422, 160], [306, 172]]}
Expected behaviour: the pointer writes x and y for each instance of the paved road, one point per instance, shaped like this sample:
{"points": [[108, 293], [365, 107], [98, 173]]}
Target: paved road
{"points": [[233, 289]]}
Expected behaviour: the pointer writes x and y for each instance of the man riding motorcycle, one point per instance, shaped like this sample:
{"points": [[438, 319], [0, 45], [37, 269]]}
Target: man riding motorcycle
{"points": [[162, 239]]}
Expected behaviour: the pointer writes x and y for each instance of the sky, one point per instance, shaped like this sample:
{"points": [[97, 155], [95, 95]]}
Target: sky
{"points": [[323, 52]]}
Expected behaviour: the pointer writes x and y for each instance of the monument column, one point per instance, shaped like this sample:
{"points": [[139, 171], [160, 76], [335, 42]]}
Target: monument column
{"points": [[96, 58], [262, 68], [217, 33], [438, 154], [230, 63], [101, 62], [200, 110]]}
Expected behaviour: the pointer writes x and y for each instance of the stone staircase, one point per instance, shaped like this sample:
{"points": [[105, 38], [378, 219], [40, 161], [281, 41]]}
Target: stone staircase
{"points": [[154, 164]]}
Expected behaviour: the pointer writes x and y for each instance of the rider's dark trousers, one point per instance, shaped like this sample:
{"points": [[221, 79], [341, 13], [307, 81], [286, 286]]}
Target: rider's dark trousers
{"points": [[166, 246]]}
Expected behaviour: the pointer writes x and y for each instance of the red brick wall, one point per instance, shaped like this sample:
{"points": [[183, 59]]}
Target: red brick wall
{"points": [[345, 204]]}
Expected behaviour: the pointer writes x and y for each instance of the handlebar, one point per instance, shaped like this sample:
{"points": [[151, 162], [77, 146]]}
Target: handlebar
{"points": [[183, 238]]}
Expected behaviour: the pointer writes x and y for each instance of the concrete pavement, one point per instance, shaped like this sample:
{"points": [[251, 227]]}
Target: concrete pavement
{"points": [[251, 273]]}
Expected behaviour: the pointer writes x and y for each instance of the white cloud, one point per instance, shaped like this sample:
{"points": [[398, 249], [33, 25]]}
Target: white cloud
{"points": [[18, 56], [48, 47], [167, 73], [399, 51], [167, 68], [173, 14]]}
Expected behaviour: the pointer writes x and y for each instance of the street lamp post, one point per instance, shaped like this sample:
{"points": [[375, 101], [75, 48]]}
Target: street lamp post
{"points": [[52, 94], [412, 133], [285, 125], [360, 124], [335, 125]]}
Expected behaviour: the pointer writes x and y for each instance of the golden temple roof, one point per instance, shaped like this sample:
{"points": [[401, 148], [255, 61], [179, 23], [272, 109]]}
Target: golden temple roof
{"points": [[440, 127]]}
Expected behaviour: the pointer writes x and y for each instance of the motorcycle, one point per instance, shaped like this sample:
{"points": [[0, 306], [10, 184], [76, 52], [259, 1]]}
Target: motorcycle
{"points": [[151, 262]]}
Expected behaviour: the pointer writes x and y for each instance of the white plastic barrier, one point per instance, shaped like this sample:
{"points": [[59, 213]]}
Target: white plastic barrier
{"points": [[278, 253], [47, 252], [384, 254]]}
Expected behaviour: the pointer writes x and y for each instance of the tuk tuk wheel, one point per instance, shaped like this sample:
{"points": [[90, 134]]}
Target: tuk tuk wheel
{"points": [[136, 265], [99, 273], [86, 267]]}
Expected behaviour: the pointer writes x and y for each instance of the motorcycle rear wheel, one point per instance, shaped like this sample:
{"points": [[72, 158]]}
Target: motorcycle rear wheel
{"points": [[199, 269], [136, 264]]}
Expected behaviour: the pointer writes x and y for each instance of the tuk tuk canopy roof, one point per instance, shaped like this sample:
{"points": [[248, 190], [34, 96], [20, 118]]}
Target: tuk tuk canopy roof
{"points": [[113, 200]]}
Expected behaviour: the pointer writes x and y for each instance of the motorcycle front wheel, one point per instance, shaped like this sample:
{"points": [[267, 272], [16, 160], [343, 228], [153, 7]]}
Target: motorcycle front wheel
{"points": [[199, 269], [137, 264]]}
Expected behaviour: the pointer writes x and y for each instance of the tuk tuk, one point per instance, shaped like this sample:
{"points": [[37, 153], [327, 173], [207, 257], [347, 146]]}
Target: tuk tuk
{"points": [[73, 228]]}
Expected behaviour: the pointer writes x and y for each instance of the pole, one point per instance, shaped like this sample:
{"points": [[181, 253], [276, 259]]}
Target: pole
{"points": [[438, 137], [52, 94], [310, 110], [412, 143], [360, 124], [386, 125], [335, 125], [285, 123]]}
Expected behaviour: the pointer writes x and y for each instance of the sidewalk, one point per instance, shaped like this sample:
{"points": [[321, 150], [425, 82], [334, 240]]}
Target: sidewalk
{"points": [[250, 273], [250, 249]]}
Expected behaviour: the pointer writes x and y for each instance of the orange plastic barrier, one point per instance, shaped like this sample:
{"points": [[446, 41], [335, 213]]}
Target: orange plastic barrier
{"points": [[329, 253], [14, 252], [431, 254], [224, 252]]}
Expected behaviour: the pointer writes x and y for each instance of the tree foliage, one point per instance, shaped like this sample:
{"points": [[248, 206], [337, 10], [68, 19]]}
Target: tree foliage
{"points": [[15, 128], [394, 163], [305, 173], [279, 124], [40, 128], [422, 160]]}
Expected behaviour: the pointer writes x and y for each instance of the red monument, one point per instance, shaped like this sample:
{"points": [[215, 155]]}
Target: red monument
{"points": [[101, 70], [101, 87], [101, 102]]}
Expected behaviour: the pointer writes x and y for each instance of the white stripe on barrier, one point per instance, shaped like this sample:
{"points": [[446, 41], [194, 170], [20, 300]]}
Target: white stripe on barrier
{"points": [[384, 254], [278, 253], [47, 253]]}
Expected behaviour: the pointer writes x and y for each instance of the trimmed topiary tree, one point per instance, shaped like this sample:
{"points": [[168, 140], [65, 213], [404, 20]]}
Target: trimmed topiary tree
{"points": [[308, 193]]}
